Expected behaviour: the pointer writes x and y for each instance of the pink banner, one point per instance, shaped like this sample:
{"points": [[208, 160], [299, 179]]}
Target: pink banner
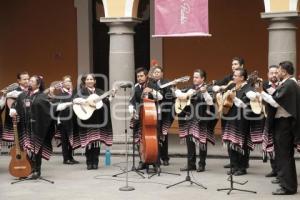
{"points": [[180, 18]]}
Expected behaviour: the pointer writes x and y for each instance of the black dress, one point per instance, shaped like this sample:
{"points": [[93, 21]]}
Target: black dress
{"points": [[34, 126], [95, 130]]}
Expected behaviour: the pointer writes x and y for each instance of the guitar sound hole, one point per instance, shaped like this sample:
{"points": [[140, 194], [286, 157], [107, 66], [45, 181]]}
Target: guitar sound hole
{"points": [[18, 157]]}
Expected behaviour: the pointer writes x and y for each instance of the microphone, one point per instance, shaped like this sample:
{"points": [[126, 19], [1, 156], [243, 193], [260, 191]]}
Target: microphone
{"points": [[126, 85]]}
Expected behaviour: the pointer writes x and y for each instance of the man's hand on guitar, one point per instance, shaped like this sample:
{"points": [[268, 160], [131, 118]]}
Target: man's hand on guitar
{"points": [[131, 110], [203, 89], [147, 90], [12, 112], [271, 90]]}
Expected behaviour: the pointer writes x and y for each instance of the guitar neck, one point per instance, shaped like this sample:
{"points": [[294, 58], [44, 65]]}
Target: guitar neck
{"points": [[17, 144], [100, 98], [168, 84]]}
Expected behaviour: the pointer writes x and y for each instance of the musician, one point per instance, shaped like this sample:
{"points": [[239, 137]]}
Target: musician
{"points": [[144, 85], [236, 131], [285, 101], [227, 83], [196, 124], [237, 62], [23, 81], [134, 107], [98, 128], [269, 144], [167, 117], [65, 118], [33, 111]]}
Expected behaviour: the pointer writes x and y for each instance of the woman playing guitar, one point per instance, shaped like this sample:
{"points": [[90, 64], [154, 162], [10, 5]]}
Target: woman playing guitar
{"points": [[96, 129]]}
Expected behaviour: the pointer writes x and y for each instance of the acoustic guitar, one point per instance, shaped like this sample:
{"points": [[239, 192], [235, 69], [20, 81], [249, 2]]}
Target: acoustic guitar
{"points": [[86, 109], [256, 104], [19, 165], [180, 104]]}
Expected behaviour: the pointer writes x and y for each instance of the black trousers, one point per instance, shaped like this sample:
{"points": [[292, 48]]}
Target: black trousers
{"points": [[273, 160], [92, 155], [36, 160], [238, 160], [191, 148], [67, 150], [285, 154], [164, 153]]}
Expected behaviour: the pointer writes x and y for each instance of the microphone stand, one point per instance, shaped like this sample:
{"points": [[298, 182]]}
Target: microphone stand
{"points": [[187, 178], [133, 169], [126, 187], [230, 179]]}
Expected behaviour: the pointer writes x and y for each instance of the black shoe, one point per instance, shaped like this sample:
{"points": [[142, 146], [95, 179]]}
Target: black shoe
{"points": [[68, 162], [94, 166], [275, 181], [227, 166], [36, 174], [165, 162], [271, 174], [89, 167], [201, 168], [240, 172], [233, 171], [141, 166], [73, 161], [190, 167], [283, 191]]}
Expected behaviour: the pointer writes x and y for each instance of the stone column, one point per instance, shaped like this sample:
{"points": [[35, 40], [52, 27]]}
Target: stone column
{"points": [[84, 36], [282, 37], [156, 43], [121, 67]]}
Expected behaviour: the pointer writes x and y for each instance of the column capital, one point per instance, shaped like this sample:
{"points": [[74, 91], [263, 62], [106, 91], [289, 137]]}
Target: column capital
{"points": [[109, 20], [273, 15], [120, 25]]}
